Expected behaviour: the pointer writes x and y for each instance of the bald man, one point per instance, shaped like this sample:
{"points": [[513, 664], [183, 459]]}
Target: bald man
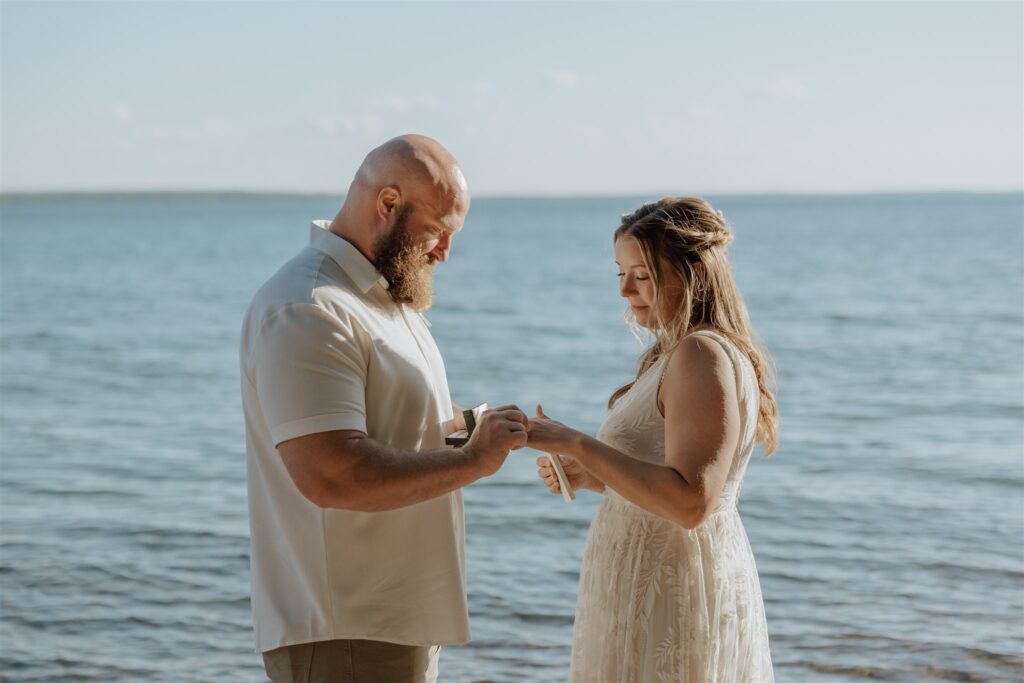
{"points": [[358, 558]]}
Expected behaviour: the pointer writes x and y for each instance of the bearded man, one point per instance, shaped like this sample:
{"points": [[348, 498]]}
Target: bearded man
{"points": [[355, 506]]}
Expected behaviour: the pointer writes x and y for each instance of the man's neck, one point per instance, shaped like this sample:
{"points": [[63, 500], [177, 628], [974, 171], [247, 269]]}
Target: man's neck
{"points": [[340, 226]]}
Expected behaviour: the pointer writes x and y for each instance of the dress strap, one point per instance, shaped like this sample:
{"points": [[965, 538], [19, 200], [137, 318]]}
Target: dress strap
{"points": [[718, 337], [663, 361]]}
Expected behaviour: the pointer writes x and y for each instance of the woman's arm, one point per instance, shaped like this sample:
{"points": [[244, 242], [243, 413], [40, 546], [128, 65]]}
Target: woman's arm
{"points": [[701, 432]]}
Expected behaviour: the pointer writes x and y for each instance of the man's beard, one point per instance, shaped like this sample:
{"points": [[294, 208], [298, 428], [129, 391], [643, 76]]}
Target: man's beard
{"points": [[410, 274]]}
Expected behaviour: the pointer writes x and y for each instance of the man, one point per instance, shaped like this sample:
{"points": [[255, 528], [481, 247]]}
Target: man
{"points": [[358, 562]]}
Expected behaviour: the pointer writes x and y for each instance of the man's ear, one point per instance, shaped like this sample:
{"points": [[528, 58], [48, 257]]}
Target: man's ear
{"points": [[389, 199]]}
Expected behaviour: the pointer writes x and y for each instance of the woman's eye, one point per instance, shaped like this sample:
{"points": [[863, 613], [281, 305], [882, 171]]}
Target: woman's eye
{"points": [[622, 275], [642, 278]]}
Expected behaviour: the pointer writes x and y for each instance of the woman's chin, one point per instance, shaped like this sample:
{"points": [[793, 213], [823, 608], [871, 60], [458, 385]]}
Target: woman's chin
{"points": [[643, 318]]}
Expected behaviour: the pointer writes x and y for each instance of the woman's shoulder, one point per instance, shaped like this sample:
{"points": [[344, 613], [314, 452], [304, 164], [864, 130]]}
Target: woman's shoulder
{"points": [[700, 347], [701, 357]]}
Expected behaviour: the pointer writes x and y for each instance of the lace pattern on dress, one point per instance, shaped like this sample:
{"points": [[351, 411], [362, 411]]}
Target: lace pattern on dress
{"points": [[658, 602]]}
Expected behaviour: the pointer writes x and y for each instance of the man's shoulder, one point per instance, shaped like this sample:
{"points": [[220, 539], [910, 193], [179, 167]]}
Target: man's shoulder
{"points": [[311, 278], [313, 284]]}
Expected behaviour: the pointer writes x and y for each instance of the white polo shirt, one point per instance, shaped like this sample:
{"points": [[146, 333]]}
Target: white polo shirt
{"points": [[324, 347]]}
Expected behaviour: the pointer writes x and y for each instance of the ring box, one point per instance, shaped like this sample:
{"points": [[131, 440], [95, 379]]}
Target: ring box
{"points": [[470, 415]]}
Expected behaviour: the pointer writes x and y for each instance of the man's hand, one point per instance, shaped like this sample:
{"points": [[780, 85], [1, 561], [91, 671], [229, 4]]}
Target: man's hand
{"points": [[458, 421], [497, 432]]}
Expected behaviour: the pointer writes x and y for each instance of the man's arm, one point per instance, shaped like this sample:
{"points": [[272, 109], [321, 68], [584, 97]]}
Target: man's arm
{"points": [[346, 469]]}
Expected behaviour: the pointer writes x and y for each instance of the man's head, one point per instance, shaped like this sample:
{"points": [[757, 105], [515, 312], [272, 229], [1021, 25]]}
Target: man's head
{"points": [[405, 204]]}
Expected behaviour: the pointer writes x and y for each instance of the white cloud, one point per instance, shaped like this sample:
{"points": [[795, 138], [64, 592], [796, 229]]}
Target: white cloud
{"points": [[702, 111], [193, 68], [403, 103], [781, 87], [210, 128], [118, 112], [563, 78], [333, 127], [37, 128]]}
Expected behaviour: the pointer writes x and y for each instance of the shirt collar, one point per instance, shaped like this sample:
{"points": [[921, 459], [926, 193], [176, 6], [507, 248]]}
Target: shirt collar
{"points": [[363, 273]]}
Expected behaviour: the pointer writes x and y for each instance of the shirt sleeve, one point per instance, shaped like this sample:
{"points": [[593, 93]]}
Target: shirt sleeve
{"points": [[309, 369]]}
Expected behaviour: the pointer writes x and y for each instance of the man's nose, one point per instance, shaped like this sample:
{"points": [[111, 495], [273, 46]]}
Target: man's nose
{"points": [[442, 249]]}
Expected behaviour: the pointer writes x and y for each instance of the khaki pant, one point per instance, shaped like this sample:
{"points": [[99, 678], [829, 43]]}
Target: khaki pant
{"points": [[352, 661]]}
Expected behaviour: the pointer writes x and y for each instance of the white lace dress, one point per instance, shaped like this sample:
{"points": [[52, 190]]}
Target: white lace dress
{"points": [[658, 602]]}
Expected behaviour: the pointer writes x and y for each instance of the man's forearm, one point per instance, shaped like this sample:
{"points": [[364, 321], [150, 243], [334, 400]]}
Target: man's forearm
{"points": [[373, 477]]}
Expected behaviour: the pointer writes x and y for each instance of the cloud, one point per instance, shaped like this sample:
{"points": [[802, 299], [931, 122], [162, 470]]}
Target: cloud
{"points": [[403, 103], [202, 130], [333, 127], [193, 68], [702, 111], [565, 79], [118, 112], [781, 87]]}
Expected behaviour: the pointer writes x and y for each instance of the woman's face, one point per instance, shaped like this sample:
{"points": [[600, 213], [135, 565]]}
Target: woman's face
{"points": [[637, 287], [635, 284]]}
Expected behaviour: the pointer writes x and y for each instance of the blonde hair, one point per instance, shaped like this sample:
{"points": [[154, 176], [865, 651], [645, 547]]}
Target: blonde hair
{"points": [[686, 237]]}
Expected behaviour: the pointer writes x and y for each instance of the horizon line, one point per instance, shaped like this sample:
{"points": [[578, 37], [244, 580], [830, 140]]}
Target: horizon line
{"points": [[503, 195]]}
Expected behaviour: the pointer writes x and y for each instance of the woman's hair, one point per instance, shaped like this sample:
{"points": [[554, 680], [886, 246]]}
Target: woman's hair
{"points": [[686, 237]]}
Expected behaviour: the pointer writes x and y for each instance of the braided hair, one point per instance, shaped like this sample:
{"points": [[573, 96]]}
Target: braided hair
{"points": [[687, 237]]}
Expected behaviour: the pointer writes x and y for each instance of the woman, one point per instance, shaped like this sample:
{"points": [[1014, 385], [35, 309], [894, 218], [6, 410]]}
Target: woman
{"points": [[668, 587]]}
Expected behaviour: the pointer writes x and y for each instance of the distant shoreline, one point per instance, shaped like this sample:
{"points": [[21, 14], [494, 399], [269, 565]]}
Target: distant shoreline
{"points": [[229, 194]]}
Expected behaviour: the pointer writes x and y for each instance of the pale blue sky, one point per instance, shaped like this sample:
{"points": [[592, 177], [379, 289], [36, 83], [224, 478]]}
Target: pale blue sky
{"points": [[574, 98]]}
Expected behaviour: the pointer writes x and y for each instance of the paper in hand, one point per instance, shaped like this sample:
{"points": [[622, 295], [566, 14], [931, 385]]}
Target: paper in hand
{"points": [[563, 481]]}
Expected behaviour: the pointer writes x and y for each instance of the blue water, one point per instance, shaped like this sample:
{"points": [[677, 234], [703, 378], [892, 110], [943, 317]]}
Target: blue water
{"points": [[888, 527]]}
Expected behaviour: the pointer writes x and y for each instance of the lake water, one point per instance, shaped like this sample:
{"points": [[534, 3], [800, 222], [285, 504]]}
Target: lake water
{"points": [[888, 527]]}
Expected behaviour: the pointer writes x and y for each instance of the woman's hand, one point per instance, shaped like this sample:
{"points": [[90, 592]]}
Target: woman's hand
{"points": [[554, 437], [549, 435], [577, 475]]}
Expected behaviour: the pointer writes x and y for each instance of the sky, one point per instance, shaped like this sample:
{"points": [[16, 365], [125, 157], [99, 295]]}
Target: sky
{"points": [[575, 98]]}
